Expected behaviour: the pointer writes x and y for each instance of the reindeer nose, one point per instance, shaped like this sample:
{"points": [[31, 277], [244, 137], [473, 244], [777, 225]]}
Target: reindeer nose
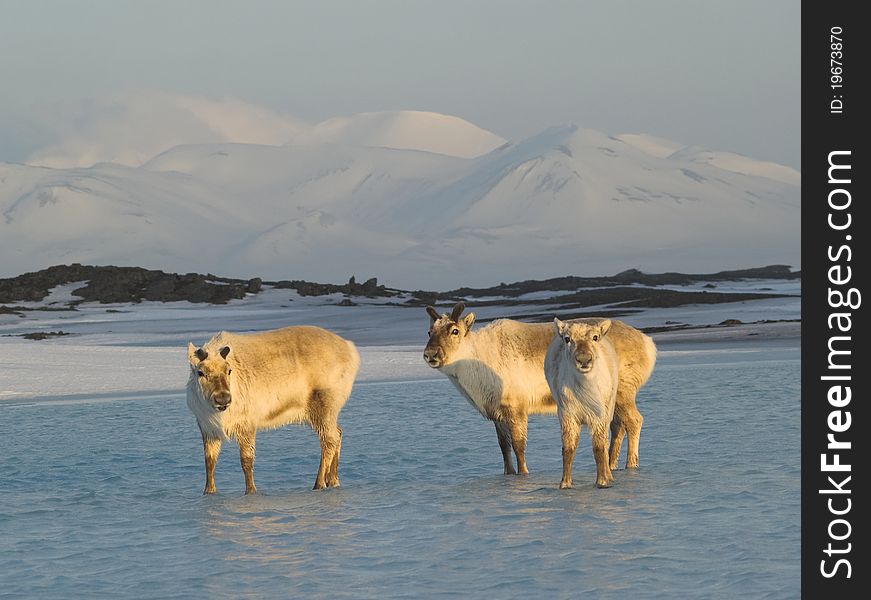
{"points": [[584, 360], [222, 400], [431, 356]]}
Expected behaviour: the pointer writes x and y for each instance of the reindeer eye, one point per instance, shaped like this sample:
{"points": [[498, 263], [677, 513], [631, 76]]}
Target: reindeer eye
{"points": [[229, 371], [455, 332], [200, 374], [568, 339], [595, 338]]}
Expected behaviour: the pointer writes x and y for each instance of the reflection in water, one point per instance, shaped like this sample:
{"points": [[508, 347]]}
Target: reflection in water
{"points": [[260, 526]]}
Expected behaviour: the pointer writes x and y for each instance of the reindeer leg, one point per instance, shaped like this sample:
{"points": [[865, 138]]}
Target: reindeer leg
{"points": [[211, 450], [599, 436], [632, 421], [504, 436], [618, 432], [330, 440], [246, 456], [333, 471], [324, 422], [517, 425], [570, 430]]}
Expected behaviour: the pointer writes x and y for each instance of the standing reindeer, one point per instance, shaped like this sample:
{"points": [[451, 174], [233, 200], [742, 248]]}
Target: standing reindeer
{"points": [[581, 370], [242, 383]]}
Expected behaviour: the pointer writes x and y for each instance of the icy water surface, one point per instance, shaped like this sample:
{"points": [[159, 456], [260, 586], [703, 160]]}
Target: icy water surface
{"points": [[102, 499]]}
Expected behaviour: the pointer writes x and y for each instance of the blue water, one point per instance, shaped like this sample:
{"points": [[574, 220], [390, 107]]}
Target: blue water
{"points": [[102, 499]]}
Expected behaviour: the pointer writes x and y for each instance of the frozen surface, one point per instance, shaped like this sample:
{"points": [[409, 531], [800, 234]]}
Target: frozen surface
{"points": [[101, 496], [102, 468], [140, 348]]}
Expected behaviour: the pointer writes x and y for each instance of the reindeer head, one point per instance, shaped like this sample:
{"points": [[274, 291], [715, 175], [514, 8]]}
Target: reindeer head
{"points": [[446, 335], [581, 341], [212, 373]]}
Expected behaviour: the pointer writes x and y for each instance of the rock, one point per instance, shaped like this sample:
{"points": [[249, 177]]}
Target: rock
{"points": [[731, 322], [112, 284], [43, 335], [254, 285]]}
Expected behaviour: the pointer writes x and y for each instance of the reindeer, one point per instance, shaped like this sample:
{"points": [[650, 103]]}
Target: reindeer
{"points": [[240, 384], [581, 368]]}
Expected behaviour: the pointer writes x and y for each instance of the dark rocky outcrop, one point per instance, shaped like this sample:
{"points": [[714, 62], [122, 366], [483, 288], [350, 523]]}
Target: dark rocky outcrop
{"points": [[43, 335], [255, 285], [109, 284], [369, 288], [122, 284], [628, 277], [626, 298]]}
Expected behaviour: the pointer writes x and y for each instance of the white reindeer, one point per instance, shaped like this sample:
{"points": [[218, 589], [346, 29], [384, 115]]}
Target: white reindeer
{"points": [[498, 369], [581, 368], [242, 383]]}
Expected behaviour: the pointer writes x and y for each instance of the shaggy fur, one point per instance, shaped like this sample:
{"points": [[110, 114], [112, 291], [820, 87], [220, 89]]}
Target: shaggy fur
{"points": [[240, 384], [582, 372], [499, 369]]}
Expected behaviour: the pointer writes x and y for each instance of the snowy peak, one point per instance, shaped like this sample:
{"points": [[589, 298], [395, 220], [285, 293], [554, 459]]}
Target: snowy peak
{"points": [[652, 145], [737, 163], [405, 130], [568, 200], [568, 174], [131, 127]]}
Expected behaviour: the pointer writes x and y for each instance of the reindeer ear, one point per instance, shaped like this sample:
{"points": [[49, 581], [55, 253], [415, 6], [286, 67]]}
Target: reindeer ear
{"points": [[604, 326], [192, 353], [459, 307], [225, 351], [433, 315], [468, 321], [196, 354]]}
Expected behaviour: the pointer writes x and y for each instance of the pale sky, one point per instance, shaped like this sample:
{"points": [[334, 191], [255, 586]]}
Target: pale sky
{"points": [[720, 74]]}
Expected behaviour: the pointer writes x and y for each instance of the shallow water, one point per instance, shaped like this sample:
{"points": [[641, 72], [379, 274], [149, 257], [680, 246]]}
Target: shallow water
{"points": [[102, 499]]}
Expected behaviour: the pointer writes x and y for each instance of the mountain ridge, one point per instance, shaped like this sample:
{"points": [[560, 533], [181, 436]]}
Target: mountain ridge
{"points": [[565, 200]]}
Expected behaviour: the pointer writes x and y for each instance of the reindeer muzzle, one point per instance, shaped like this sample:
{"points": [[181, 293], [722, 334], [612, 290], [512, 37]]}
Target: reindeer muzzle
{"points": [[221, 401], [433, 357]]}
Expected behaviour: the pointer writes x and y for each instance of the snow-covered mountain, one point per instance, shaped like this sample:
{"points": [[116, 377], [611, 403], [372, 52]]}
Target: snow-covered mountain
{"points": [[131, 127], [343, 202], [404, 130]]}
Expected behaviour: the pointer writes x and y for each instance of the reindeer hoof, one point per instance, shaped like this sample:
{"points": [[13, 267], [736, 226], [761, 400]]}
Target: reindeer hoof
{"points": [[565, 485]]}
